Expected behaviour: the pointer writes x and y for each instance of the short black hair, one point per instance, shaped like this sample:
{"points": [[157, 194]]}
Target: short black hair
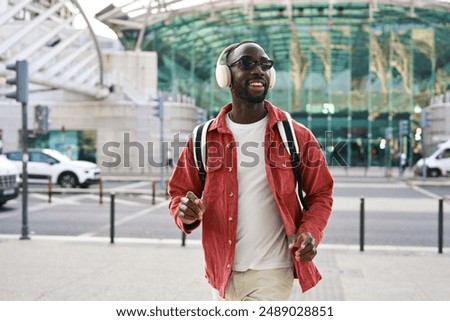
{"points": [[232, 49]]}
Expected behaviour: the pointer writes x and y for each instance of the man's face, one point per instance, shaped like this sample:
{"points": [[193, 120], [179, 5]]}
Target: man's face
{"points": [[249, 84]]}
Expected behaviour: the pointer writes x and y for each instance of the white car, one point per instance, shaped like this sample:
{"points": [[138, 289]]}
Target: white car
{"points": [[45, 164], [9, 176], [437, 164]]}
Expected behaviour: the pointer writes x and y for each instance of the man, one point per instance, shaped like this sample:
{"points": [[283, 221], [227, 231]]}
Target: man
{"points": [[256, 237]]}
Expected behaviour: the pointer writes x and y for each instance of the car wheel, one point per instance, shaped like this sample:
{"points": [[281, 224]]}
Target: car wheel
{"points": [[433, 172], [67, 180]]}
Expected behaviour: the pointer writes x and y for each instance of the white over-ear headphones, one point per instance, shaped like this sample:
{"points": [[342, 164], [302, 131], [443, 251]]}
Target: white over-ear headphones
{"points": [[223, 72]]}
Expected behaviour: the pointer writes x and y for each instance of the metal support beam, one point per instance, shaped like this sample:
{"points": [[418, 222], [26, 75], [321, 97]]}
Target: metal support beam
{"points": [[11, 12], [61, 64], [22, 32], [95, 40], [35, 46], [44, 59], [88, 60]]}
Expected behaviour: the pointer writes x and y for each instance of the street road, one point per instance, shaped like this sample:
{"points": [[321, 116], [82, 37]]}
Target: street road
{"points": [[396, 213]]}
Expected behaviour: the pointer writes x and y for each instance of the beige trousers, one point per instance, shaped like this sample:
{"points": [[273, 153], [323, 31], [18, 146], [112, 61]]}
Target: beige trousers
{"points": [[259, 285]]}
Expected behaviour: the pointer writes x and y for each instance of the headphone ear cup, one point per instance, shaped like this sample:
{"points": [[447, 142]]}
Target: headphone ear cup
{"points": [[273, 77], [223, 76]]}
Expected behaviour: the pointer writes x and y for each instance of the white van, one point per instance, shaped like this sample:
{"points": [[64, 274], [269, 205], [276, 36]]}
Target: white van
{"points": [[9, 180], [438, 164]]}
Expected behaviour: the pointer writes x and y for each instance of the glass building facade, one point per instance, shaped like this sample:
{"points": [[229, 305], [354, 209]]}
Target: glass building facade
{"points": [[357, 73]]}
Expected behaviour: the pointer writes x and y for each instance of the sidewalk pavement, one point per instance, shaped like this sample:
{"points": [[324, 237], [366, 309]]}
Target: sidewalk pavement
{"points": [[92, 269]]}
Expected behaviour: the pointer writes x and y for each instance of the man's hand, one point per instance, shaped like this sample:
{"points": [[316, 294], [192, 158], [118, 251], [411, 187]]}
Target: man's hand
{"points": [[303, 243], [191, 208]]}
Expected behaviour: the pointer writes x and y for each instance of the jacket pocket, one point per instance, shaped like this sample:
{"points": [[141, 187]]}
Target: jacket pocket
{"points": [[283, 175], [214, 183]]}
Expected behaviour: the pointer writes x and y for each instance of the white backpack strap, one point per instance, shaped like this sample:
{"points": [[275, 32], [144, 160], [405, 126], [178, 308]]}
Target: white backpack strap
{"points": [[203, 142], [194, 141], [283, 133], [199, 147]]}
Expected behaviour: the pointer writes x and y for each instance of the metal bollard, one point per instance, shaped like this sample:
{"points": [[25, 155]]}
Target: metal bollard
{"points": [[183, 239], [49, 185], [167, 190], [112, 217], [361, 225], [441, 226], [100, 191], [153, 193]]}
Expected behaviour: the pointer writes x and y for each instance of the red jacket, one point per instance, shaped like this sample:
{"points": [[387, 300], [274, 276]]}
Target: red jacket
{"points": [[220, 192]]}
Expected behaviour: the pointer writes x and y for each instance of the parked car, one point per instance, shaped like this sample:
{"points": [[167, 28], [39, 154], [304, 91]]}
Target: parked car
{"points": [[9, 177], [45, 164], [438, 163]]}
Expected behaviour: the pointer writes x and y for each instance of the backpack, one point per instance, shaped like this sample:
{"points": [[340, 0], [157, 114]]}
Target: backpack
{"points": [[290, 142]]}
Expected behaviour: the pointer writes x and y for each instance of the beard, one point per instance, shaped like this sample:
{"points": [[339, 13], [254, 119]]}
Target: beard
{"points": [[244, 93]]}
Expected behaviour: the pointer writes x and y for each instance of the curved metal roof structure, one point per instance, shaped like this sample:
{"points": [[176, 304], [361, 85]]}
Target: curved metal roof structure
{"points": [[408, 39], [60, 57]]}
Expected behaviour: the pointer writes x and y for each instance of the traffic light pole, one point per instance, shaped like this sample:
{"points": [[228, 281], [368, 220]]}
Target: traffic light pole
{"points": [[426, 123], [424, 156], [25, 235], [161, 140], [21, 96]]}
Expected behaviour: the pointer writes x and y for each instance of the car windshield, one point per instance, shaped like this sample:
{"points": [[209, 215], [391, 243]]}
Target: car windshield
{"points": [[55, 154], [431, 150]]}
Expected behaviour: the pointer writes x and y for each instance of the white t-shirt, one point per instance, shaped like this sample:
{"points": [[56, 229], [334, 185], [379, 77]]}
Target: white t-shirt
{"points": [[261, 239]]}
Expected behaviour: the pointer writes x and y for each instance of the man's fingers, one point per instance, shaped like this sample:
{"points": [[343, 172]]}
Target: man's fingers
{"points": [[303, 244], [190, 195], [191, 207], [198, 201], [201, 204], [298, 241], [185, 212], [306, 249], [187, 209], [301, 241], [190, 204], [307, 254]]}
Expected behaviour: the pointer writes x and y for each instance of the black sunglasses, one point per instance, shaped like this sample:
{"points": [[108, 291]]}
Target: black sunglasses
{"points": [[248, 63]]}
